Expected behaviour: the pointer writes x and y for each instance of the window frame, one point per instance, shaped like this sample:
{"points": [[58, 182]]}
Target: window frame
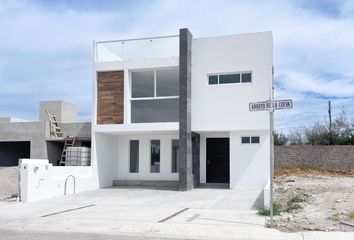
{"points": [[131, 83], [177, 160], [155, 97], [129, 99], [156, 81], [250, 139], [229, 73], [213, 75], [241, 74], [151, 155], [259, 139], [154, 111], [138, 161]]}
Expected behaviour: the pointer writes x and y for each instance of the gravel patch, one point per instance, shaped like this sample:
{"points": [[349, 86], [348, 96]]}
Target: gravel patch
{"points": [[312, 202], [8, 182]]}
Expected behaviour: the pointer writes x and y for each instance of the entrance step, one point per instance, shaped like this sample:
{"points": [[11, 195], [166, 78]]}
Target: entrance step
{"points": [[168, 185], [214, 185]]}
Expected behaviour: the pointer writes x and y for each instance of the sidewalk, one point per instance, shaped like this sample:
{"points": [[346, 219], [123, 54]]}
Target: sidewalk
{"points": [[145, 214]]}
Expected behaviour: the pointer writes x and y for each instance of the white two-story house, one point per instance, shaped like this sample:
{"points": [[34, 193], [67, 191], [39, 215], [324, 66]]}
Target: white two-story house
{"points": [[173, 111]]}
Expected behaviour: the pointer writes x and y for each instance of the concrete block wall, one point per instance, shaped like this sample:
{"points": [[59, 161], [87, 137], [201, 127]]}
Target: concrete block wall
{"points": [[35, 132], [332, 157], [38, 132], [79, 129], [64, 112]]}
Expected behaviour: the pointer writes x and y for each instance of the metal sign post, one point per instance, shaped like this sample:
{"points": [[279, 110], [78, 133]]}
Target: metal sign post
{"points": [[271, 106], [271, 161]]}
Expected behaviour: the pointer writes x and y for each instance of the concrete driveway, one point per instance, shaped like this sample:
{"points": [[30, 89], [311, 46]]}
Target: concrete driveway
{"points": [[147, 213]]}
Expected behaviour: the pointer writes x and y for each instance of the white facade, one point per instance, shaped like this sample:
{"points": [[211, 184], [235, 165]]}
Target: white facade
{"points": [[224, 107], [111, 141], [217, 111], [222, 110], [144, 160]]}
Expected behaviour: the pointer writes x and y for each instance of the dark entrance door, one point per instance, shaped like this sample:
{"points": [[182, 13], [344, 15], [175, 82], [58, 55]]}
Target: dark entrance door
{"points": [[218, 160]]}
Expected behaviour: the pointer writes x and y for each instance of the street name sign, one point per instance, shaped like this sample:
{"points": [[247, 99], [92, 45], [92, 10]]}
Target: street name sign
{"points": [[267, 106], [270, 106]]}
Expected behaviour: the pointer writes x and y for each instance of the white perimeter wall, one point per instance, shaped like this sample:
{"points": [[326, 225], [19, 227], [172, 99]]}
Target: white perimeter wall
{"points": [[225, 107], [41, 180]]}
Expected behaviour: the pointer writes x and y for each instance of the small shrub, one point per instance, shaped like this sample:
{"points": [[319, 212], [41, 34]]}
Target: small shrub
{"points": [[292, 207], [294, 204], [335, 217], [265, 211], [280, 139], [351, 215], [296, 199]]}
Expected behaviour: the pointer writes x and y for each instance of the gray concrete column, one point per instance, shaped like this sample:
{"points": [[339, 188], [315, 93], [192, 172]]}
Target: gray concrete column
{"points": [[185, 134], [196, 158]]}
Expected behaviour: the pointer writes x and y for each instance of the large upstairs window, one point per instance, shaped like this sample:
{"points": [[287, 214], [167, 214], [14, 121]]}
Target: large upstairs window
{"points": [[143, 84], [155, 96]]}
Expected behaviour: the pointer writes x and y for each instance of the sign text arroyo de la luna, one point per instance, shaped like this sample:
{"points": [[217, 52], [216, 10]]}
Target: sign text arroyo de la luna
{"points": [[270, 106], [266, 105]]}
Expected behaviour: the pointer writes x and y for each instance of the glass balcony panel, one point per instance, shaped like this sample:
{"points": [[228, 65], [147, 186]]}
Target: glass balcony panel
{"points": [[145, 48]]}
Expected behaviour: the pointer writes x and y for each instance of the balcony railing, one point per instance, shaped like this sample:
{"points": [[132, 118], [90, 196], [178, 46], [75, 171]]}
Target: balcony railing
{"points": [[141, 48]]}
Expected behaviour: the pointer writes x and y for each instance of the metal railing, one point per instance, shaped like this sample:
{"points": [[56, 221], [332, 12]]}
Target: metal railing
{"points": [[138, 48]]}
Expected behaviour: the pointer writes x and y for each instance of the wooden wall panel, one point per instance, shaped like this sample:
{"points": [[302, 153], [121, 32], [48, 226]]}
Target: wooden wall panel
{"points": [[110, 97]]}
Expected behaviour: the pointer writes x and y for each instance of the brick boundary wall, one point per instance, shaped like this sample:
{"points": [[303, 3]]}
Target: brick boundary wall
{"points": [[339, 157]]}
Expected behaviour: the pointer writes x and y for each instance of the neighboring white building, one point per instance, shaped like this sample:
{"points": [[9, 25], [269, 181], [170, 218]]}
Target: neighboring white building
{"points": [[173, 111]]}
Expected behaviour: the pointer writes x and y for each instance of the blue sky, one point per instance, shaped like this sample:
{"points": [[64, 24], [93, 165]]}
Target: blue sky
{"points": [[45, 47]]}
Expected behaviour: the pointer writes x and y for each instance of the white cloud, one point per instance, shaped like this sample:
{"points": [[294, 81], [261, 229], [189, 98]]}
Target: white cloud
{"points": [[301, 82], [31, 27], [308, 44]]}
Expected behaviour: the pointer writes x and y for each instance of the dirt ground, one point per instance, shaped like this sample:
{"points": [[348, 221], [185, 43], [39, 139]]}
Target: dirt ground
{"points": [[8, 182], [314, 200]]}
